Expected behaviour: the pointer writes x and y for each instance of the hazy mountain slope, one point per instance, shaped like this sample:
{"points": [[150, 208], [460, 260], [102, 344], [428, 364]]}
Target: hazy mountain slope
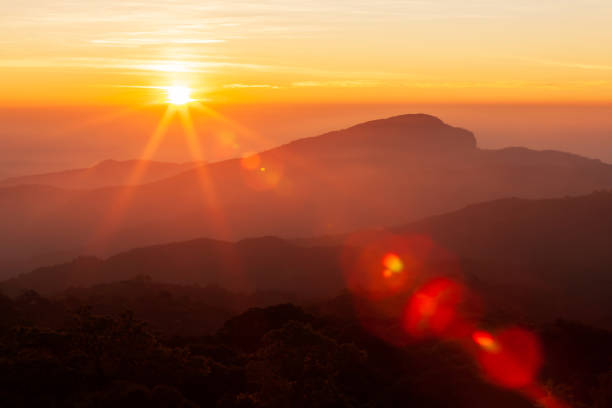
{"points": [[544, 258], [380, 173], [104, 174], [542, 255], [570, 231], [263, 264]]}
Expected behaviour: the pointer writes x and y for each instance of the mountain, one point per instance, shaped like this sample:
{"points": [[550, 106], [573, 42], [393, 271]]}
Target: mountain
{"points": [[262, 264], [385, 172], [104, 174], [566, 232], [546, 258]]}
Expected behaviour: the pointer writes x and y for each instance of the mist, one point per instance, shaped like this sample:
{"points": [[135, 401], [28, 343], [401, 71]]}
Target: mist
{"points": [[47, 139]]}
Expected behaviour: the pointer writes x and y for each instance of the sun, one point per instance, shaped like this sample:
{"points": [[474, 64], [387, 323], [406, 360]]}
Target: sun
{"points": [[178, 95]]}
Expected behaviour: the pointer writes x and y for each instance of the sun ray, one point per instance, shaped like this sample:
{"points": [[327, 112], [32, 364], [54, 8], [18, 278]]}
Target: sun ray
{"points": [[233, 124], [258, 139], [118, 207], [217, 215], [294, 159]]}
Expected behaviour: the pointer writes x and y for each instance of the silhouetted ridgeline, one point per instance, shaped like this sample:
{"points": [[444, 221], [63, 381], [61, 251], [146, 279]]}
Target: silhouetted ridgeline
{"points": [[104, 174], [549, 258], [264, 264], [386, 172]]}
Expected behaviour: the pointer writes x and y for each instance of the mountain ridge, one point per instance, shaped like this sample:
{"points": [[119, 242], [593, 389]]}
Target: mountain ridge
{"points": [[516, 250], [356, 178], [106, 173]]}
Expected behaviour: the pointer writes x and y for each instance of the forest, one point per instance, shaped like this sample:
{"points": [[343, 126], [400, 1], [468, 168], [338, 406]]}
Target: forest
{"points": [[111, 346]]}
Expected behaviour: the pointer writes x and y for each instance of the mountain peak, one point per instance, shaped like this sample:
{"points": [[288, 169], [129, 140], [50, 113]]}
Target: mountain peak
{"points": [[408, 119], [406, 133], [106, 163]]}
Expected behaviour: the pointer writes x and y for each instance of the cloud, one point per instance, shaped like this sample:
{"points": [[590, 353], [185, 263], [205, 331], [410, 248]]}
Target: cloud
{"points": [[154, 41], [336, 84], [569, 64], [133, 65], [234, 86]]}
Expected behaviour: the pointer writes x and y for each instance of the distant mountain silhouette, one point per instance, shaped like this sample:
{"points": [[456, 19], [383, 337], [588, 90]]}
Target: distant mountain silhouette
{"points": [[262, 264], [104, 174], [548, 258], [571, 232], [380, 173]]}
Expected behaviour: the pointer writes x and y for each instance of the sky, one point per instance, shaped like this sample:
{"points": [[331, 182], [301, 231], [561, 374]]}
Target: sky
{"points": [[102, 52], [86, 81]]}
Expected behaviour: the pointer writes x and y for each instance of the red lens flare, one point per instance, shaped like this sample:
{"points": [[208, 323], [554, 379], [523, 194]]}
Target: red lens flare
{"points": [[435, 310], [386, 265], [380, 270], [486, 341], [515, 359]]}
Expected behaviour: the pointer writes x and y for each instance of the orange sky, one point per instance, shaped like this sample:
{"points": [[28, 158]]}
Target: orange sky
{"points": [[67, 52]]}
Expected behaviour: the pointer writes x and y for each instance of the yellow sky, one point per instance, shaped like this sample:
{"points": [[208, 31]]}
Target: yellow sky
{"points": [[121, 52]]}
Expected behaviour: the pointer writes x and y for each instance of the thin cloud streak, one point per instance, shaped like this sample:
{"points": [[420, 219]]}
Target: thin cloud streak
{"points": [[233, 86]]}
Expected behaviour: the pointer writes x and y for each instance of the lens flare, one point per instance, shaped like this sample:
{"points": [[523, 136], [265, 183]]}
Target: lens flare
{"points": [[517, 360], [379, 264], [251, 161], [392, 262], [433, 310], [486, 341], [260, 177]]}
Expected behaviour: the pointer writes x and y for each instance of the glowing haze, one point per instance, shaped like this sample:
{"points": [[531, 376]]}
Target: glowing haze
{"points": [[78, 53]]}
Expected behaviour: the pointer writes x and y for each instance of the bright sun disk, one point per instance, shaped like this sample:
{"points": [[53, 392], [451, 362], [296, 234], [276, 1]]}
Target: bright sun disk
{"points": [[178, 95]]}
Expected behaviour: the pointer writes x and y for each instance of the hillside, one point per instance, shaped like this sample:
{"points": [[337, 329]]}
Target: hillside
{"points": [[264, 264], [380, 173], [104, 174], [545, 258], [570, 231]]}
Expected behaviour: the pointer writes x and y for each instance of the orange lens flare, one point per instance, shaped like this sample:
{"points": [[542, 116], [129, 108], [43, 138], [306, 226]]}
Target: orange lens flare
{"points": [[393, 263], [260, 178], [517, 361], [251, 161]]}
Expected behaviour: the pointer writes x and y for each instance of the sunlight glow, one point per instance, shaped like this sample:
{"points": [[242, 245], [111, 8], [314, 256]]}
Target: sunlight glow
{"points": [[179, 95]]}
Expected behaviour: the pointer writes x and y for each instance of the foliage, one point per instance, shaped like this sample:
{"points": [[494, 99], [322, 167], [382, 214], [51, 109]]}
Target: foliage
{"points": [[279, 356]]}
